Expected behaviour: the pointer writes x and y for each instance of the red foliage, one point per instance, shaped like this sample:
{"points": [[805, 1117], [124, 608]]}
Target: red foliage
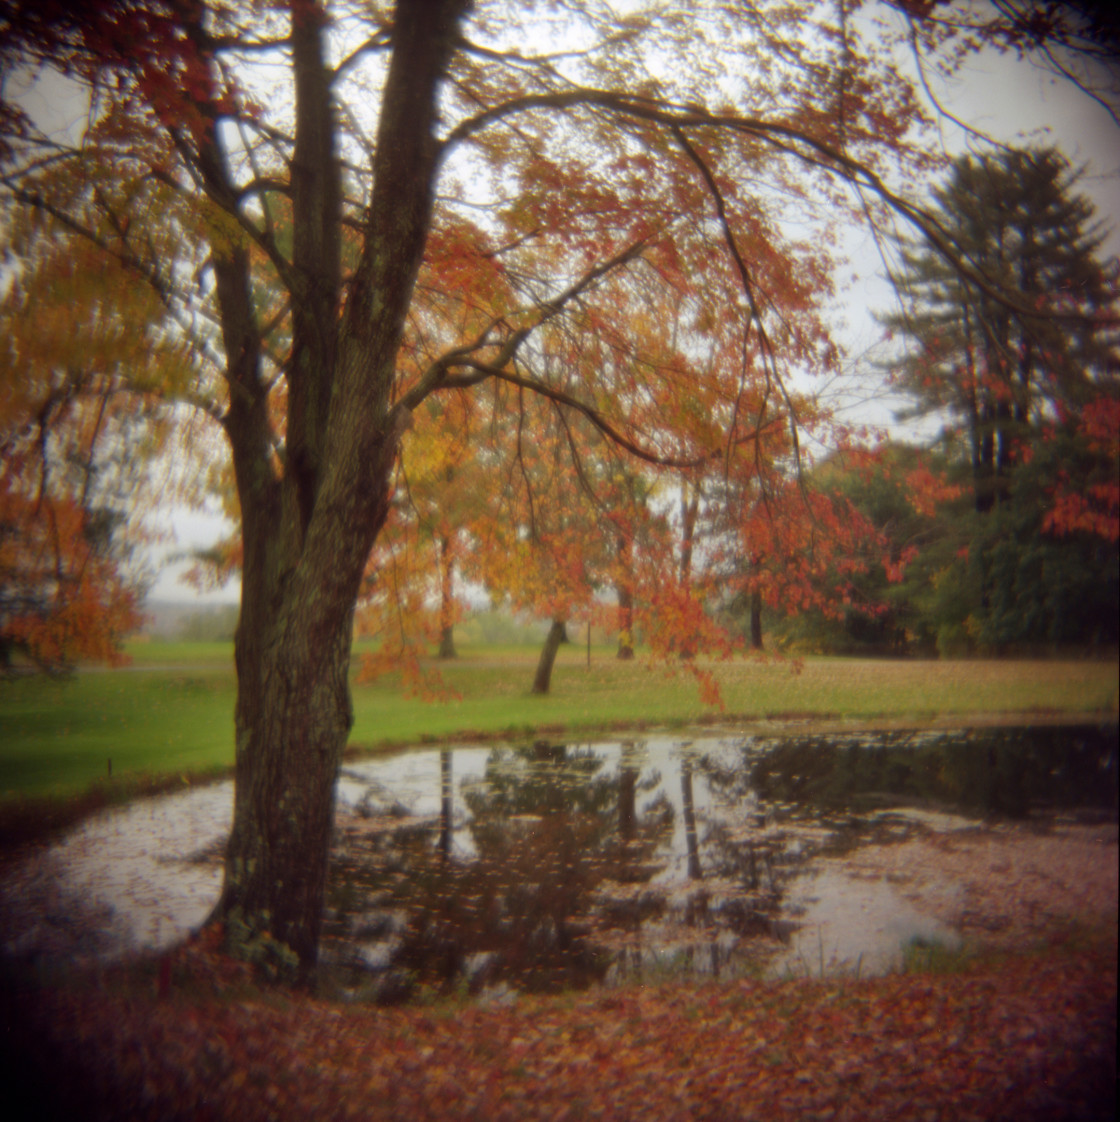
{"points": [[1095, 507], [63, 600]]}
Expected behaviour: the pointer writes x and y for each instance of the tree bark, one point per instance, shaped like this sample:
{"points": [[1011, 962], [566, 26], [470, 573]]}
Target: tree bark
{"points": [[292, 720], [446, 600], [625, 595], [543, 679], [311, 514]]}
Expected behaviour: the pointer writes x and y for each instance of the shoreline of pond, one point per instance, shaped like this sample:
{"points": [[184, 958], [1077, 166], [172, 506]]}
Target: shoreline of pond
{"points": [[776, 724], [38, 818]]}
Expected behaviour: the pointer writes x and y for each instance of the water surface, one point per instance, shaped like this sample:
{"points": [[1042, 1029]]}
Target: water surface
{"points": [[549, 865]]}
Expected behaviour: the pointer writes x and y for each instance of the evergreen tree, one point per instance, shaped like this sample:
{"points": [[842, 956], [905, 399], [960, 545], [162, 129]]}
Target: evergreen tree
{"points": [[1027, 339], [1015, 351]]}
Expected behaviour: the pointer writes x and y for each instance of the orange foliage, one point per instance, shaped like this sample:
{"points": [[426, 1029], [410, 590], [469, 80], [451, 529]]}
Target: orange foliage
{"points": [[79, 367], [64, 596]]}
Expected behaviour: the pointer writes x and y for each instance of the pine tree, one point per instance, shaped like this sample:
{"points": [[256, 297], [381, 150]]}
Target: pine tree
{"points": [[1015, 350], [1027, 339]]}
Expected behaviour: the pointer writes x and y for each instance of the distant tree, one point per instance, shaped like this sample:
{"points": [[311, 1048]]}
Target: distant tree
{"points": [[1024, 581], [1001, 366], [540, 546], [210, 625], [408, 601], [1020, 357], [905, 499], [81, 350]]}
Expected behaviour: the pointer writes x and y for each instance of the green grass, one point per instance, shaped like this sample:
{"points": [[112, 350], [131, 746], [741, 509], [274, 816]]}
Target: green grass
{"points": [[924, 956], [493, 689], [171, 712], [59, 736]]}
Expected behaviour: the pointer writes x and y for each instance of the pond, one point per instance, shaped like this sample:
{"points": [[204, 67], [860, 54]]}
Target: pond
{"points": [[549, 865], [552, 865]]}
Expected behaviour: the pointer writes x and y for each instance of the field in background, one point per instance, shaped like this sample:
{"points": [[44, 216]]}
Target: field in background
{"points": [[171, 711]]}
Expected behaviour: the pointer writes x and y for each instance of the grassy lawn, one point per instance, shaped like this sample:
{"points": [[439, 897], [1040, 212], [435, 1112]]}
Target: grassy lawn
{"points": [[493, 689], [58, 736], [171, 712]]}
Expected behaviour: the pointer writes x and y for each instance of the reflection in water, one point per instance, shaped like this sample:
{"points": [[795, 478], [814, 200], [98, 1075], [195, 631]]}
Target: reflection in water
{"points": [[553, 865], [690, 820], [1005, 771], [445, 803], [516, 904]]}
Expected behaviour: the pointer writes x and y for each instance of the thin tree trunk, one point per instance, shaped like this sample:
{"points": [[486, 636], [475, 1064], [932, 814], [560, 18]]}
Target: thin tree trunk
{"points": [[543, 679], [625, 623], [756, 620], [690, 508], [625, 601], [447, 600]]}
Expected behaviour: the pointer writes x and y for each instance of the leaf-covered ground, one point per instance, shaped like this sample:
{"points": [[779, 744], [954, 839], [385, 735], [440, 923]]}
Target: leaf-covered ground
{"points": [[1023, 1036], [1027, 1031], [1030, 1034]]}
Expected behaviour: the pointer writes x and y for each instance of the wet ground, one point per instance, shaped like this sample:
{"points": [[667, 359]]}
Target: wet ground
{"points": [[545, 865]]}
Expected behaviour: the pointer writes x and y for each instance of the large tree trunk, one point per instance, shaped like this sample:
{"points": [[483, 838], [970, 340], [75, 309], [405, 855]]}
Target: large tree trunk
{"points": [[311, 514], [292, 720], [557, 634]]}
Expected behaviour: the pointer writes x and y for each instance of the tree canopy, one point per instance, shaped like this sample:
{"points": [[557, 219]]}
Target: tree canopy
{"points": [[81, 359]]}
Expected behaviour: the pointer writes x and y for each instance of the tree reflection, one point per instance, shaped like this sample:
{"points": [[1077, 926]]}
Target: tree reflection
{"points": [[689, 811], [565, 860], [552, 829], [445, 800], [1007, 772]]}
